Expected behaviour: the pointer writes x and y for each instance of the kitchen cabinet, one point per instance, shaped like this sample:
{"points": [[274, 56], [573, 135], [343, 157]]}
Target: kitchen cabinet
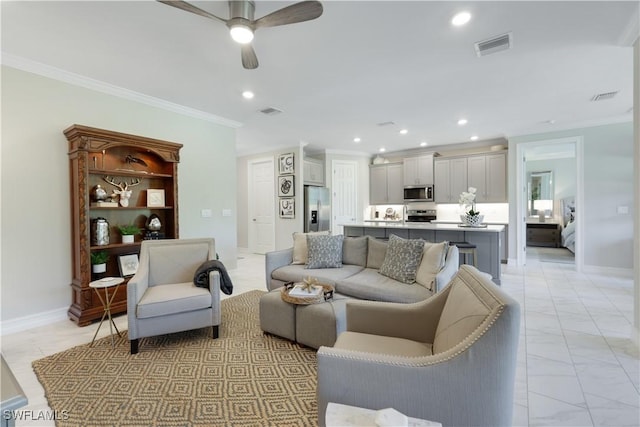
{"points": [[418, 170], [487, 173], [450, 179], [386, 184], [313, 172]]}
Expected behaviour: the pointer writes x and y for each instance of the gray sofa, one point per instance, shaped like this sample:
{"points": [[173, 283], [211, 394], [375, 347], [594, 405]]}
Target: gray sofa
{"points": [[358, 279]]}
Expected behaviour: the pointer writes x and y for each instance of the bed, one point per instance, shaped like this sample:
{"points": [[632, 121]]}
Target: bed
{"points": [[568, 235]]}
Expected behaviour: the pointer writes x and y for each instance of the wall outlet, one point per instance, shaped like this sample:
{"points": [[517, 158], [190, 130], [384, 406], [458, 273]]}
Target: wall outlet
{"points": [[205, 213], [623, 210], [226, 212]]}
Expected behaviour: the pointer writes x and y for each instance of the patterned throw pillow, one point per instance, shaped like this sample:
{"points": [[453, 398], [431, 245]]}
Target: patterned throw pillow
{"points": [[324, 251], [402, 259]]}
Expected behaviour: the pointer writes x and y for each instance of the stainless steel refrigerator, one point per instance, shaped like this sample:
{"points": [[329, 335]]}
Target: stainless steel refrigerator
{"points": [[317, 208]]}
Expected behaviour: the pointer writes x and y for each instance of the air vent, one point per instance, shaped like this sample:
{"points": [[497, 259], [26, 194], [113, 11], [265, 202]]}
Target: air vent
{"points": [[270, 111], [603, 96], [389, 123], [494, 44]]}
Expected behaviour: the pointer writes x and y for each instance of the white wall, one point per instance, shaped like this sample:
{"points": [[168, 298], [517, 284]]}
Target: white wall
{"points": [[36, 225], [284, 227], [608, 171]]}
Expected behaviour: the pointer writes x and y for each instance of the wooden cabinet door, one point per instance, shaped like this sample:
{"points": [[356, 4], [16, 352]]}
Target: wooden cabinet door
{"points": [[378, 185], [476, 170], [458, 178], [410, 171], [441, 183], [395, 189], [496, 178]]}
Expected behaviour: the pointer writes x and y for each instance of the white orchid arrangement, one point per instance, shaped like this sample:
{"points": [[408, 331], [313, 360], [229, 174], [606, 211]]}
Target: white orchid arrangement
{"points": [[468, 200]]}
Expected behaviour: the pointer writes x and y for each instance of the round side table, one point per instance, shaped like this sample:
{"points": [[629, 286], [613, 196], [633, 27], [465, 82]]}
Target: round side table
{"points": [[105, 284]]}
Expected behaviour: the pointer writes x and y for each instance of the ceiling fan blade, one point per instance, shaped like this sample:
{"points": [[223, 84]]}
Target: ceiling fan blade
{"points": [[191, 8], [249, 58], [297, 12]]}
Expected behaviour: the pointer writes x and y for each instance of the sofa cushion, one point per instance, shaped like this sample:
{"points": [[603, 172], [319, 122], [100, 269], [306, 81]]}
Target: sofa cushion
{"points": [[433, 259], [357, 341], [300, 250], [368, 284], [402, 259], [354, 250], [296, 273], [376, 250], [467, 306], [161, 300], [324, 251]]}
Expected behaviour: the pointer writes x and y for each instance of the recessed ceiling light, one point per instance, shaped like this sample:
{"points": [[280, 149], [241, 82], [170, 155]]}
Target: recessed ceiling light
{"points": [[404, 132], [462, 122], [474, 137], [382, 150], [247, 94], [461, 19], [550, 121], [356, 139], [423, 144]]}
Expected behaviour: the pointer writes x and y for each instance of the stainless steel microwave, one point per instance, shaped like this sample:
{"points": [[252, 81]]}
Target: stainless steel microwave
{"points": [[418, 193]]}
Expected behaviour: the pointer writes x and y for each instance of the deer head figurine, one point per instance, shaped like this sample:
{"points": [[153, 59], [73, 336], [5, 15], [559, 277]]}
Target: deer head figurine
{"points": [[123, 189]]}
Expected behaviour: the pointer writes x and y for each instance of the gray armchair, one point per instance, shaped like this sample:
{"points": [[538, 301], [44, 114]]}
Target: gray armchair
{"points": [[450, 358], [161, 296]]}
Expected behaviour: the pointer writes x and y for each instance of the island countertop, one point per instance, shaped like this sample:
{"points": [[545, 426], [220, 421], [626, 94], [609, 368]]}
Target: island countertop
{"points": [[490, 228]]}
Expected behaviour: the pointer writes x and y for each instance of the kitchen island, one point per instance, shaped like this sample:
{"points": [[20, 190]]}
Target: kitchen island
{"points": [[487, 239]]}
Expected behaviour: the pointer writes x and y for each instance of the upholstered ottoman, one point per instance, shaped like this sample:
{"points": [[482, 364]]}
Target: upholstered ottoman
{"points": [[276, 316], [320, 324]]}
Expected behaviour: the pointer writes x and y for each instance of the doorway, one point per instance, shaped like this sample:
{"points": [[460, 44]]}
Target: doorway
{"points": [[344, 194], [550, 228], [261, 205]]}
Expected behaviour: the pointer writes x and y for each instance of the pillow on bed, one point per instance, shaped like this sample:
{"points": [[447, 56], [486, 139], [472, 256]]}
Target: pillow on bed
{"points": [[402, 259]]}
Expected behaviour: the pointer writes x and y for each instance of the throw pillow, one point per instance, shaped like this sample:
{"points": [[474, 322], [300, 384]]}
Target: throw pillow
{"points": [[402, 259], [376, 252], [433, 259], [300, 249], [324, 251], [354, 251]]}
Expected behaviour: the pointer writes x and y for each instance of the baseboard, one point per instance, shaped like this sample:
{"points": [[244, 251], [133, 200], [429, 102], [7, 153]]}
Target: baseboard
{"points": [[608, 271], [20, 324]]}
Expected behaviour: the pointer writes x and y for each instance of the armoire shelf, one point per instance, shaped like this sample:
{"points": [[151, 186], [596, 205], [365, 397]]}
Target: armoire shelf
{"points": [[143, 163]]}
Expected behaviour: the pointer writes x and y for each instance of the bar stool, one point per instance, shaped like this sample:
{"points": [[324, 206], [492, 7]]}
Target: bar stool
{"points": [[466, 248]]}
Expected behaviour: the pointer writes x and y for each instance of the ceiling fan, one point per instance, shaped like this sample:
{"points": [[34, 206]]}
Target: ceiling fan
{"points": [[242, 25]]}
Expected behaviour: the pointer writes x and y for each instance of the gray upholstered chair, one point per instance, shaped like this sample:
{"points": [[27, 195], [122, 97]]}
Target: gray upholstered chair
{"points": [[450, 358], [162, 297]]}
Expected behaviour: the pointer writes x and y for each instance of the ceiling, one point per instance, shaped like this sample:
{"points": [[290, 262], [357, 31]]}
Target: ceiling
{"points": [[360, 64]]}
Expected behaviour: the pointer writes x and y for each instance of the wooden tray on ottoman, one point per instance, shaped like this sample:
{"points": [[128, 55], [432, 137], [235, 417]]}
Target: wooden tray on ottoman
{"points": [[325, 295]]}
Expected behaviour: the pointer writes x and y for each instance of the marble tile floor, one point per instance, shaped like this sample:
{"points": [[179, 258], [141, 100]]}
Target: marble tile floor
{"points": [[576, 363]]}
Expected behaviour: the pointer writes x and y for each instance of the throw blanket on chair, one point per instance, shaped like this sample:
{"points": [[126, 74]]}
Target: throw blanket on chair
{"points": [[201, 278]]}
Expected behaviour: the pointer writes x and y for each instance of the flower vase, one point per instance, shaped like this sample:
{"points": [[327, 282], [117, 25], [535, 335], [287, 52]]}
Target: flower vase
{"points": [[472, 220]]}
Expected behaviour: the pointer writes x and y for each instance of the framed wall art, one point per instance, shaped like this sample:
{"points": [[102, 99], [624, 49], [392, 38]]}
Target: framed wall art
{"points": [[155, 198], [286, 187], [128, 264], [285, 164], [288, 208]]}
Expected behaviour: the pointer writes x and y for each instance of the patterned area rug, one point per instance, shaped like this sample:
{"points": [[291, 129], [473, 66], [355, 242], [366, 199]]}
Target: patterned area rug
{"points": [[244, 378]]}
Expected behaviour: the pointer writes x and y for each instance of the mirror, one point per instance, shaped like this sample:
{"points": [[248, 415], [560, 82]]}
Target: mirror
{"points": [[541, 194]]}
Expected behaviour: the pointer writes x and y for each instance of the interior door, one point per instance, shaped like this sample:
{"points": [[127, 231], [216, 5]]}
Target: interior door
{"points": [[344, 186], [261, 206]]}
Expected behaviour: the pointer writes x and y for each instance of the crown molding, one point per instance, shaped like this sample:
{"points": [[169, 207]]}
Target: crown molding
{"points": [[44, 70]]}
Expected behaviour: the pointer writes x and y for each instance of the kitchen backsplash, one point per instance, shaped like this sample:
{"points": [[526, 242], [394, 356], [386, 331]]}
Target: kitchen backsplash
{"points": [[493, 212]]}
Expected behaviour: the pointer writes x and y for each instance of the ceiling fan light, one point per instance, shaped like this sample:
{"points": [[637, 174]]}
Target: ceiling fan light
{"points": [[241, 34]]}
